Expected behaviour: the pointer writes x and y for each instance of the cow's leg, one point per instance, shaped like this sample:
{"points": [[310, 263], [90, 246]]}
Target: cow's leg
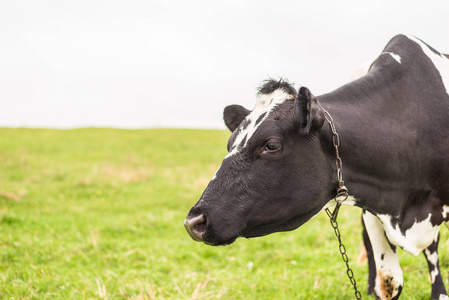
{"points": [[431, 254], [371, 262], [389, 281]]}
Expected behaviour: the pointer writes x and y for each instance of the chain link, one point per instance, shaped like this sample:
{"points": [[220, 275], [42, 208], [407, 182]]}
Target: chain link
{"points": [[342, 249], [342, 191], [336, 143]]}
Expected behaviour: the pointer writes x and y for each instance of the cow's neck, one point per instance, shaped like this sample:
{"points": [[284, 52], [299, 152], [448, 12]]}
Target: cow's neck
{"points": [[368, 125]]}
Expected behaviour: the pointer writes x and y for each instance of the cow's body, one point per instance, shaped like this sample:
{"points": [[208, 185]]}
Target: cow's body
{"points": [[394, 142]]}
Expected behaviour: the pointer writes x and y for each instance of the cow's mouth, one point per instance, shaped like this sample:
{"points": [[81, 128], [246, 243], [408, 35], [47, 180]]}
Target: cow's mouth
{"points": [[265, 229], [201, 228]]}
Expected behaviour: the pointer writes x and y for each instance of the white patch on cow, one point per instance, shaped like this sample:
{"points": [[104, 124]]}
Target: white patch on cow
{"points": [[433, 259], [351, 201], [387, 263], [445, 211], [444, 297], [415, 239], [394, 55], [215, 175], [440, 62], [265, 104], [232, 152]]}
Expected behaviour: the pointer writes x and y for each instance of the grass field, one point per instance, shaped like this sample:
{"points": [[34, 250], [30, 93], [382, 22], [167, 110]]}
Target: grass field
{"points": [[98, 214]]}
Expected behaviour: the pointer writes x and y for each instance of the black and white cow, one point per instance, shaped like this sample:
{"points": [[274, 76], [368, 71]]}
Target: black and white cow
{"points": [[394, 142]]}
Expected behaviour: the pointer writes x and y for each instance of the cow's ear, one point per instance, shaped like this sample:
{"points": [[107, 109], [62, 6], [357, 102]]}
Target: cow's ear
{"points": [[308, 114], [233, 115]]}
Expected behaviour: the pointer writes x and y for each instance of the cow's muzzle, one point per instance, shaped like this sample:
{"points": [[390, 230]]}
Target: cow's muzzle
{"points": [[196, 226]]}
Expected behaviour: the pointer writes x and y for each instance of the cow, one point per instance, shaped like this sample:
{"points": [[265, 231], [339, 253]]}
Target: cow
{"points": [[393, 128], [366, 252]]}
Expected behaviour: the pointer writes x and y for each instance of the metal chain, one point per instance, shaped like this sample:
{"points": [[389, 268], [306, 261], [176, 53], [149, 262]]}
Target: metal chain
{"points": [[342, 249], [342, 191], [336, 143]]}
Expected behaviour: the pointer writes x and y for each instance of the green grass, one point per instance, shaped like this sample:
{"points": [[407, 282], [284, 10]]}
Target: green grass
{"points": [[98, 214]]}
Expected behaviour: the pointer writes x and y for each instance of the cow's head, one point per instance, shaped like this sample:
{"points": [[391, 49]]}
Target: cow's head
{"points": [[275, 176]]}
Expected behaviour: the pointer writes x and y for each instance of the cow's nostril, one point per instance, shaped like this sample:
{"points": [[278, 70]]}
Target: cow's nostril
{"points": [[200, 227], [196, 226]]}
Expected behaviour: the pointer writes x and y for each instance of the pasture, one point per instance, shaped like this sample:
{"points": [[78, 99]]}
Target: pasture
{"points": [[98, 214]]}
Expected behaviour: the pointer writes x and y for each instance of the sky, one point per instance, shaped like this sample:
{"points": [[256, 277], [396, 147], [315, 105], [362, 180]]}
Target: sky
{"points": [[147, 64]]}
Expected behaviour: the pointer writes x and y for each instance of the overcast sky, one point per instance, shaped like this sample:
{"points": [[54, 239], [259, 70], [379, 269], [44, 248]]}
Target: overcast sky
{"points": [[146, 63]]}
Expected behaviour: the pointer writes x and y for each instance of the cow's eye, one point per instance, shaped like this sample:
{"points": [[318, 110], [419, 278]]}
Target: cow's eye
{"points": [[273, 147]]}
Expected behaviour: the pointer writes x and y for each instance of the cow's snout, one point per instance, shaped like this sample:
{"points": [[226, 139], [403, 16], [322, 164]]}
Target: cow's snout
{"points": [[196, 226]]}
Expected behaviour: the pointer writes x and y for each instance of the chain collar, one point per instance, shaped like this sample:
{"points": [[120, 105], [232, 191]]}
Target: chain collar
{"points": [[342, 191], [341, 195]]}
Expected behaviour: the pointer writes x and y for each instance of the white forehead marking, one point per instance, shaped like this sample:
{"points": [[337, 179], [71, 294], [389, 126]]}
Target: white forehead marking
{"points": [[441, 62], [215, 175], [394, 55], [265, 103]]}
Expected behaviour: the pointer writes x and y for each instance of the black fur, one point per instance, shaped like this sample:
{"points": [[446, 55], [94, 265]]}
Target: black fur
{"points": [[271, 85]]}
